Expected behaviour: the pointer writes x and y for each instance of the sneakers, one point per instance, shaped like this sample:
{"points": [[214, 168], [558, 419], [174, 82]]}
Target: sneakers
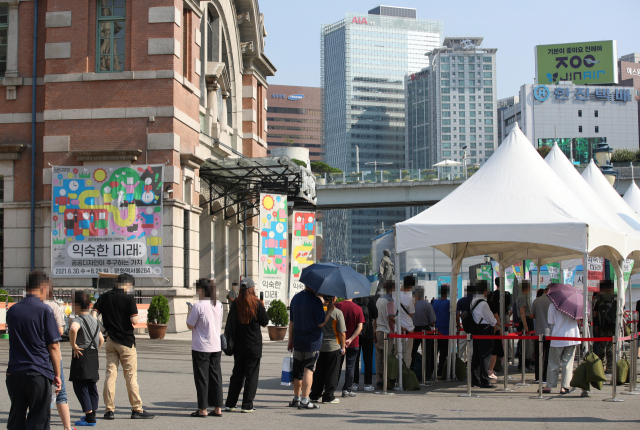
{"points": [[144, 415], [354, 387], [309, 405], [379, 386], [228, 409], [83, 423], [347, 393], [247, 411], [109, 415], [294, 403], [369, 388], [334, 402]]}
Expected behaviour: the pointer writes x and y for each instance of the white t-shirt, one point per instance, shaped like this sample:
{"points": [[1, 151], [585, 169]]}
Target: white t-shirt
{"points": [[206, 320], [407, 301], [563, 326]]}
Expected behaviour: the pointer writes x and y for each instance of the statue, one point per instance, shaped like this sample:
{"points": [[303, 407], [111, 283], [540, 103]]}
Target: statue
{"points": [[386, 271]]}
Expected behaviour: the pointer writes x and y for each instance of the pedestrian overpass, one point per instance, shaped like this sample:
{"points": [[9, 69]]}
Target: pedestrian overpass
{"points": [[383, 194]]}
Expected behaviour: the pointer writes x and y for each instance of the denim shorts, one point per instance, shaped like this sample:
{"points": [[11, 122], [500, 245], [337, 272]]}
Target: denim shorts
{"points": [[61, 397]]}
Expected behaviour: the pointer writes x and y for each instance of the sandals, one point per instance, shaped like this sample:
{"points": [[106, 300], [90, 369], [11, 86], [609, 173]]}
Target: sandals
{"points": [[197, 414]]}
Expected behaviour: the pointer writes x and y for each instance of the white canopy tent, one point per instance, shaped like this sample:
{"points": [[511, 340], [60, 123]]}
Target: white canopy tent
{"points": [[514, 208], [632, 197], [570, 176], [616, 204]]}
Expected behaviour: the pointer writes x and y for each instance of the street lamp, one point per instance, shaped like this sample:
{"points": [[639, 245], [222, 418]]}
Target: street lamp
{"points": [[602, 154]]}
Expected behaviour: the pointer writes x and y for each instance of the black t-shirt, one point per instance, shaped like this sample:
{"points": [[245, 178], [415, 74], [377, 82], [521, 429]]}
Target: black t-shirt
{"points": [[248, 337], [494, 302], [370, 303], [117, 307]]}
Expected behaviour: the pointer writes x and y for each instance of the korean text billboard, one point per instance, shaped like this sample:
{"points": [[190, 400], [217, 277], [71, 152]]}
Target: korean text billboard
{"points": [[106, 219], [303, 252], [580, 63], [273, 267]]}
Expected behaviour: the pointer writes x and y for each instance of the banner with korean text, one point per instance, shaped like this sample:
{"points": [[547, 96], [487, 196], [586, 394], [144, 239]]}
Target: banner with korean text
{"points": [[303, 248], [106, 219], [273, 267]]}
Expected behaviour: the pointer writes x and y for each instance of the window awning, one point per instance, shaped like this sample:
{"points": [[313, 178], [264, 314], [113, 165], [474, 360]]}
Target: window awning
{"points": [[237, 183]]}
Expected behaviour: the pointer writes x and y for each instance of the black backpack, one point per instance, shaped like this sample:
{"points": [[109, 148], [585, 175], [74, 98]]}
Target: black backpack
{"points": [[607, 314], [468, 323], [367, 318]]}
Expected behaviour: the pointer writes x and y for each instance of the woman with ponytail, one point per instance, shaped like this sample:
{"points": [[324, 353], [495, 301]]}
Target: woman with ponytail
{"points": [[250, 315]]}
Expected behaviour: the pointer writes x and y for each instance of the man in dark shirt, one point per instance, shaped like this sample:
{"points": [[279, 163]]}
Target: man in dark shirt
{"points": [[307, 318], [119, 315], [34, 357], [424, 319]]}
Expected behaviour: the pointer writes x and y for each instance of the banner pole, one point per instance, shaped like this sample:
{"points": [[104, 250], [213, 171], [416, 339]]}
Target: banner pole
{"points": [[614, 374], [468, 394]]}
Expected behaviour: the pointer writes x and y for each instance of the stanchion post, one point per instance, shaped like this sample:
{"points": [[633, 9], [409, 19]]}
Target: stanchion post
{"points": [[614, 374], [523, 344], [468, 394], [505, 344], [385, 351], [424, 360], [435, 358], [633, 377], [540, 368]]}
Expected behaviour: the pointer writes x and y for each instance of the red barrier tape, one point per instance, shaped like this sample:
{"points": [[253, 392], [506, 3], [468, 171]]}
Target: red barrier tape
{"points": [[415, 335], [625, 338], [495, 337]]}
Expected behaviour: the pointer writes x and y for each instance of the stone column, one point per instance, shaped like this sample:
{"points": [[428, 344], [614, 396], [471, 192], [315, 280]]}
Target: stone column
{"points": [[235, 253], [221, 246], [207, 247], [212, 106], [12, 41], [253, 252]]}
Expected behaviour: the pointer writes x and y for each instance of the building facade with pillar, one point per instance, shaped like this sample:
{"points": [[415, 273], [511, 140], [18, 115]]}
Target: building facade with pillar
{"points": [[120, 82]]}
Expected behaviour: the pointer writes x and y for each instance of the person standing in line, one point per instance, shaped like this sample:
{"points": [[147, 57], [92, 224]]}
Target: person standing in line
{"points": [[354, 320], [385, 324], [424, 319], [250, 315], [464, 305], [539, 313], [526, 323], [62, 402], [308, 317], [367, 337], [561, 352], [493, 299], [233, 294], [205, 323], [34, 357], [407, 310], [604, 317], [86, 339], [327, 374], [441, 308], [119, 315], [482, 348]]}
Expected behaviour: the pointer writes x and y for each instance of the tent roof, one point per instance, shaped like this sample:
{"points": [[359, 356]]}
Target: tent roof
{"points": [[612, 247], [514, 205], [632, 197]]}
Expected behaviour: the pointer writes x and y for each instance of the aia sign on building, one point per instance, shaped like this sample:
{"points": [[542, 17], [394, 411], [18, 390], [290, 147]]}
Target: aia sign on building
{"points": [[358, 20]]}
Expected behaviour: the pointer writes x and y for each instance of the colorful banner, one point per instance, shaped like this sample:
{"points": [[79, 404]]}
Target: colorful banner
{"points": [[554, 272], [483, 273], [273, 265], [596, 273], [106, 219], [627, 266], [303, 244]]}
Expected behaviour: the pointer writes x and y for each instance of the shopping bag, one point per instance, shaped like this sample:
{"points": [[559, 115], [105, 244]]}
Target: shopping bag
{"points": [[595, 369], [287, 371], [579, 379], [393, 367]]}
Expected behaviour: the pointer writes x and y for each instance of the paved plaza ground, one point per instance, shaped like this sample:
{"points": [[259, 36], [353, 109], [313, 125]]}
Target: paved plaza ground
{"points": [[167, 390]]}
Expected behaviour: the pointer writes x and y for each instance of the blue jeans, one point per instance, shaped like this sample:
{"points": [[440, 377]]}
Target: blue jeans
{"points": [[61, 397]]}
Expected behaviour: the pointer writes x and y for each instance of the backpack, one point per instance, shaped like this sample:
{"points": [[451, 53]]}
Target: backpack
{"points": [[468, 323], [607, 314], [367, 320]]}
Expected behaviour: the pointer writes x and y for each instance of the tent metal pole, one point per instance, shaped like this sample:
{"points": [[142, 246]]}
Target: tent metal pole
{"points": [[453, 291], [397, 306], [585, 293], [538, 276], [619, 316]]}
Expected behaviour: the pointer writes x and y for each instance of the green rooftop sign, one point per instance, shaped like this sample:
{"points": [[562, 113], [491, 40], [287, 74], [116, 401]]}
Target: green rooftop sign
{"points": [[581, 63]]}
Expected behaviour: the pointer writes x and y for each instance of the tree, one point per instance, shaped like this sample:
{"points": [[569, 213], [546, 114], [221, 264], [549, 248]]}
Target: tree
{"points": [[366, 258], [287, 142], [299, 162], [320, 167], [544, 151]]}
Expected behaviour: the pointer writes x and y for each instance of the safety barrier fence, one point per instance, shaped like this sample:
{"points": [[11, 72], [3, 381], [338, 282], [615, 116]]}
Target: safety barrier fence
{"points": [[433, 335]]}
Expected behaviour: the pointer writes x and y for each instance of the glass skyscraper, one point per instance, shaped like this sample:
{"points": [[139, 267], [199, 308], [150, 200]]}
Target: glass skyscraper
{"points": [[364, 59]]}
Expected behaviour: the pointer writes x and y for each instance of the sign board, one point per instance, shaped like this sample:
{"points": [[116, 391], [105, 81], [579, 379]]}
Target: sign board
{"points": [[627, 266], [106, 219], [580, 63], [303, 252], [273, 265], [483, 273], [554, 272], [596, 274]]}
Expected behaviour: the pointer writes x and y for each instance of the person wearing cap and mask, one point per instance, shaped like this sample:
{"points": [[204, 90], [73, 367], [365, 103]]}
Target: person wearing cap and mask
{"points": [[250, 315]]}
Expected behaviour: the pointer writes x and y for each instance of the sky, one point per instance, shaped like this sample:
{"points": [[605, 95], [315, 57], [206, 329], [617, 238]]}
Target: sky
{"points": [[514, 28]]}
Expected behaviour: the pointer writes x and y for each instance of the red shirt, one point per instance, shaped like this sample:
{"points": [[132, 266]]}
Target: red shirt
{"points": [[352, 317]]}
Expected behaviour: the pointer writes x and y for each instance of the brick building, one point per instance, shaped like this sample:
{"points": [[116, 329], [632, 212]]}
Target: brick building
{"points": [[295, 119], [122, 82]]}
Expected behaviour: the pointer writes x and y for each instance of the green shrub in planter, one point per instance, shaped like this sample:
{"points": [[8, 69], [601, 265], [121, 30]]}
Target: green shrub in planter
{"points": [[158, 312], [5, 297], [277, 313]]}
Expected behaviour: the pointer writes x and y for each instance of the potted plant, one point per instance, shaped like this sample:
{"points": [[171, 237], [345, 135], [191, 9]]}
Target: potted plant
{"points": [[158, 317], [277, 313]]}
